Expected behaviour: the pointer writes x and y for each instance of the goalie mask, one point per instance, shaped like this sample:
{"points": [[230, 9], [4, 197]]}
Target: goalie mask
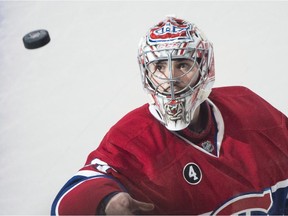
{"points": [[177, 69]]}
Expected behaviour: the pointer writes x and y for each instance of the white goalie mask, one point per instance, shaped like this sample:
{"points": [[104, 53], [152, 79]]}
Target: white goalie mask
{"points": [[177, 69]]}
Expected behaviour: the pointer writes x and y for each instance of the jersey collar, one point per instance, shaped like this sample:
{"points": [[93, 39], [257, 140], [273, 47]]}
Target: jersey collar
{"points": [[219, 131]]}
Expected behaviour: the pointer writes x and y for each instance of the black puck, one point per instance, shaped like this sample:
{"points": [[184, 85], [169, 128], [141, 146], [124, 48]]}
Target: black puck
{"points": [[36, 39]]}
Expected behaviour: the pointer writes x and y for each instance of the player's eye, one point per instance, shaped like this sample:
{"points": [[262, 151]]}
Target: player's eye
{"points": [[160, 67], [185, 66], [157, 67]]}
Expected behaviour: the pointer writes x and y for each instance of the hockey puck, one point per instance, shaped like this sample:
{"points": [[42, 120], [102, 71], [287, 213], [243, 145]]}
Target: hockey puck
{"points": [[36, 39]]}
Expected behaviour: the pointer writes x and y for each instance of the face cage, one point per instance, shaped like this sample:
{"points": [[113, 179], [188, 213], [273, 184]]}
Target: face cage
{"points": [[198, 56], [176, 110]]}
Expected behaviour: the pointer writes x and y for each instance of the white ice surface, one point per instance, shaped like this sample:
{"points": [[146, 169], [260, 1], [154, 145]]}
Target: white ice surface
{"points": [[57, 102]]}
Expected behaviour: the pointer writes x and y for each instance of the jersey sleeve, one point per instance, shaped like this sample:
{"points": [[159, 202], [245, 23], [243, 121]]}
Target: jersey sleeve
{"points": [[83, 193], [105, 171]]}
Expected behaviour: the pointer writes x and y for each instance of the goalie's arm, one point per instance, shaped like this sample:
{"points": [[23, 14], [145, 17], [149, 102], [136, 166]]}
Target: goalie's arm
{"points": [[84, 192]]}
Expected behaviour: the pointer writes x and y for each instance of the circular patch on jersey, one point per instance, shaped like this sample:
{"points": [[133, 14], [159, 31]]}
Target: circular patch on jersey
{"points": [[192, 173]]}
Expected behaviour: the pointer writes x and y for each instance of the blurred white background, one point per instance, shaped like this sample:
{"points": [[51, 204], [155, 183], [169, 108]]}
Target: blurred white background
{"points": [[57, 102]]}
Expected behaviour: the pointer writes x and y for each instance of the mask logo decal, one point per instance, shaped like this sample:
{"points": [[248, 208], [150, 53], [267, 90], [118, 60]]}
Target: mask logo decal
{"points": [[174, 110], [170, 31], [192, 173]]}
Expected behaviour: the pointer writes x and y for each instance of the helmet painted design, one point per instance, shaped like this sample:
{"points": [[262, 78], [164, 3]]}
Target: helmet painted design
{"points": [[176, 45]]}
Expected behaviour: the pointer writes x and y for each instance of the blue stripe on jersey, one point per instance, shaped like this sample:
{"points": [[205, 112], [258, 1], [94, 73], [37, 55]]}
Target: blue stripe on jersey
{"points": [[76, 180], [216, 131], [280, 202]]}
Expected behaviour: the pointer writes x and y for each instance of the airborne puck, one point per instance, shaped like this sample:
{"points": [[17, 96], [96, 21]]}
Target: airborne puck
{"points": [[36, 39]]}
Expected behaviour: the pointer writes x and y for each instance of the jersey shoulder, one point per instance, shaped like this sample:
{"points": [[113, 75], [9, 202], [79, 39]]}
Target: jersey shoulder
{"points": [[137, 123], [129, 142], [240, 105], [135, 120], [231, 91]]}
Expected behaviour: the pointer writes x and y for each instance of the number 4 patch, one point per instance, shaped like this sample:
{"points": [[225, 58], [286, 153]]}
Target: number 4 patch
{"points": [[192, 173]]}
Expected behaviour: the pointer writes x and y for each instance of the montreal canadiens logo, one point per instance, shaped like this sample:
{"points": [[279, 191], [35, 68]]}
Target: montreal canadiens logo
{"points": [[247, 204], [192, 173], [169, 31]]}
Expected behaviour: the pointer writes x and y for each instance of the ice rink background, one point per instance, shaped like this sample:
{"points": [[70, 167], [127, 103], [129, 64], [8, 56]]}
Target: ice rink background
{"points": [[57, 102]]}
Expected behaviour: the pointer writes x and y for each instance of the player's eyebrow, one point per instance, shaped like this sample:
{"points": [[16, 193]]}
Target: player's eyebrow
{"points": [[160, 62]]}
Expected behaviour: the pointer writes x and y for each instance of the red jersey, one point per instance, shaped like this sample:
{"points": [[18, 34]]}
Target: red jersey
{"points": [[237, 165]]}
